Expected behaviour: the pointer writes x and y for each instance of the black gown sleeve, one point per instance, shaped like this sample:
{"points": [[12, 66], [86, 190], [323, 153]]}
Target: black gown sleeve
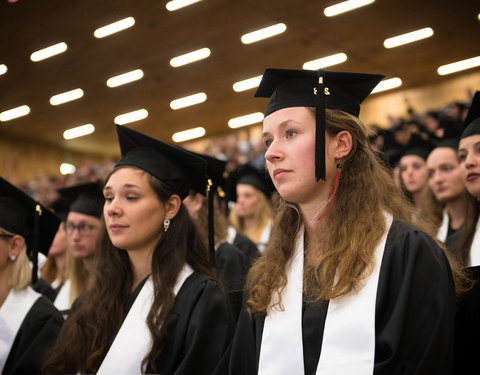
{"points": [[199, 327], [37, 333], [415, 306], [248, 247], [44, 288]]}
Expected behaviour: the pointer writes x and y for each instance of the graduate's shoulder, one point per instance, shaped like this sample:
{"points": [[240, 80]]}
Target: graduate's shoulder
{"points": [[408, 243], [42, 312]]}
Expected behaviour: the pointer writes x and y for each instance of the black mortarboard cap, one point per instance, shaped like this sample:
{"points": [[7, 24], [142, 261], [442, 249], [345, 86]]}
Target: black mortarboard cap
{"points": [[60, 207], [448, 143], [86, 198], [179, 169], [418, 146], [22, 215], [472, 121], [249, 175], [319, 89]]}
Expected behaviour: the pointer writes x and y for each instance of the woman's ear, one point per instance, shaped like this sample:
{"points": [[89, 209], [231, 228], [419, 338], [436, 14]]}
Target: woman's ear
{"points": [[172, 206], [344, 144], [16, 244]]}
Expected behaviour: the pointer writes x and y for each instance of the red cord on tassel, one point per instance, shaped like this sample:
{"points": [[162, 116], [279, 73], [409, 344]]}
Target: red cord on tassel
{"points": [[333, 194]]}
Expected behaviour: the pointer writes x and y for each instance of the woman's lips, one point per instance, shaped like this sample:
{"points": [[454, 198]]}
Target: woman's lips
{"points": [[473, 176], [279, 172]]}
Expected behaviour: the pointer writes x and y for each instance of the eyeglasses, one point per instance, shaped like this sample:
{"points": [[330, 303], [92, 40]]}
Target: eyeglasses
{"points": [[84, 229], [4, 235]]}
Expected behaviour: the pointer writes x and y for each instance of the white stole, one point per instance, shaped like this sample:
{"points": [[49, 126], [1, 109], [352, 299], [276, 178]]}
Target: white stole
{"points": [[265, 237], [12, 313], [443, 230], [232, 233], [475, 248], [62, 300], [133, 341], [348, 345]]}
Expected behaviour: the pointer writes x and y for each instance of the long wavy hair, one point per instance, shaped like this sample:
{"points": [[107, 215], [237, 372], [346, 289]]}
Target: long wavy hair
{"points": [[262, 217], [89, 332], [19, 273], [472, 215], [353, 223]]}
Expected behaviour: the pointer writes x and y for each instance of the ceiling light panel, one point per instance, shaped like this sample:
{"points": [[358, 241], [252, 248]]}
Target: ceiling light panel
{"points": [[126, 118], [459, 66], [190, 57], [249, 119], [264, 33], [387, 84], [188, 100], [47, 52], [345, 6], [10, 114], [186, 135], [114, 27], [410, 37], [3, 69], [124, 78], [65, 97], [323, 62], [177, 4], [78, 131], [247, 84]]}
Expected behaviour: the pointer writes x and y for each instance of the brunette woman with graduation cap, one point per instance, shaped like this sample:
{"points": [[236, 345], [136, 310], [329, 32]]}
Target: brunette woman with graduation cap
{"points": [[155, 306], [346, 285], [467, 328]]}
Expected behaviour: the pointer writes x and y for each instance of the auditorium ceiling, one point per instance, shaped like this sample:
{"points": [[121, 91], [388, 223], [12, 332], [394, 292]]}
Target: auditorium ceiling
{"points": [[158, 35]]}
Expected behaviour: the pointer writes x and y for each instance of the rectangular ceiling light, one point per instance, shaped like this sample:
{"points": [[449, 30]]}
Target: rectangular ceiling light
{"points": [[323, 62], [345, 6], [3, 69], [139, 114], [78, 131], [114, 27], [250, 119], [67, 96], [14, 113], [189, 134], [410, 37], [247, 84], [48, 52], [177, 4], [190, 57], [387, 84], [264, 33], [459, 65], [188, 100], [124, 78]]}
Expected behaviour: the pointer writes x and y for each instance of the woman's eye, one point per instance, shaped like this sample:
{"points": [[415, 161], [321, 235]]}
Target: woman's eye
{"points": [[461, 157], [132, 198], [108, 199], [267, 142], [291, 133]]}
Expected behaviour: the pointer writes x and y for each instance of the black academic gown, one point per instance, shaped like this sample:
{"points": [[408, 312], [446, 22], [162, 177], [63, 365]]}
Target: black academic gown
{"points": [[247, 246], [415, 307], [44, 288], [233, 266], [467, 327], [36, 334], [199, 328]]}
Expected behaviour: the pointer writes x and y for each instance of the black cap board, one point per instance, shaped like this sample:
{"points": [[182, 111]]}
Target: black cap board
{"points": [[181, 170], [472, 121], [86, 198], [20, 214], [319, 89], [418, 146]]}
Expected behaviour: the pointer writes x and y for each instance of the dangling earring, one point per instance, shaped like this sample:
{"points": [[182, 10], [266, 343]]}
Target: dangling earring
{"points": [[13, 258], [285, 203], [326, 205], [166, 224]]}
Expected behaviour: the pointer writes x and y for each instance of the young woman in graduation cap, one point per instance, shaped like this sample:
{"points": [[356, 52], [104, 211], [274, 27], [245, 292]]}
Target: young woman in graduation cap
{"points": [[251, 214], [467, 328], [346, 285], [29, 323], [155, 306], [446, 200]]}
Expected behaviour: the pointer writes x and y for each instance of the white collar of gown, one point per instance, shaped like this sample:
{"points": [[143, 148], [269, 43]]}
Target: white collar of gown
{"points": [[133, 341]]}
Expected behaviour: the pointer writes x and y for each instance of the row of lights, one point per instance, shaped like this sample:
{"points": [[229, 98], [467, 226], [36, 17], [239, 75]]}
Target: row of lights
{"points": [[204, 53]]}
